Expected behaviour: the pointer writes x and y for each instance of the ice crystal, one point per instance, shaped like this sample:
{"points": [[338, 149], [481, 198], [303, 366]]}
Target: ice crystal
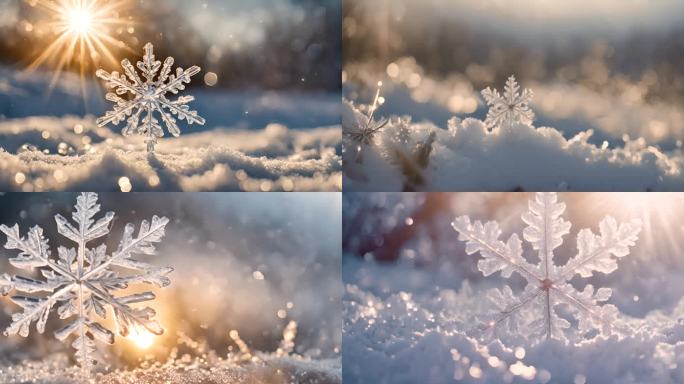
{"points": [[534, 312], [366, 128], [148, 96], [81, 282], [509, 108]]}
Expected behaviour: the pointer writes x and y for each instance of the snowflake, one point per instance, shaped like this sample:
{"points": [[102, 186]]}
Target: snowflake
{"points": [[548, 284], [366, 127], [81, 282], [510, 108], [148, 97]]}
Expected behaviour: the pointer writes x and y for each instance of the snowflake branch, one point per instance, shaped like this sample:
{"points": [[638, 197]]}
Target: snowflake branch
{"points": [[116, 81], [37, 307], [158, 224], [575, 301], [130, 313], [178, 83], [189, 116], [483, 244], [14, 241], [511, 310]]}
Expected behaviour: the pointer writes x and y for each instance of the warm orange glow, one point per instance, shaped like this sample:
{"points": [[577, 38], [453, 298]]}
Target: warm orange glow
{"points": [[657, 211], [80, 21], [84, 30], [142, 338]]}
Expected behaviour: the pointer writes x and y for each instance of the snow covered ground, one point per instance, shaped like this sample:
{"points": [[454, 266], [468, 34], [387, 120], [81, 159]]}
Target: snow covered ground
{"points": [[266, 368], [416, 319], [270, 141], [581, 139]]}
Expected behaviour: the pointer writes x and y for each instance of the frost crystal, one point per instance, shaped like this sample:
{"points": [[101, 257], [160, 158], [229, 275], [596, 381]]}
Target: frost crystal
{"points": [[81, 282], [366, 127], [149, 96], [510, 108], [534, 312]]}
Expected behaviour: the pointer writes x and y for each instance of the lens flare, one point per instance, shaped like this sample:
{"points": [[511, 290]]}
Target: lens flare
{"points": [[80, 21], [83, 34], [141, 338], [658, 212]]}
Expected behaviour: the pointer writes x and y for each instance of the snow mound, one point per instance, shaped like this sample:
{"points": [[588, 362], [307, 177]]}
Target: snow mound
{"points": [[392, 335], [72, 154], [467, 155]]}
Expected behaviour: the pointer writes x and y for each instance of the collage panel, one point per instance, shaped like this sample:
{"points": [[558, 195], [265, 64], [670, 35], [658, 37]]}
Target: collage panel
{"points": [[480, 191], [484, 95], [170, 288], [513, 287], [170, 95]]}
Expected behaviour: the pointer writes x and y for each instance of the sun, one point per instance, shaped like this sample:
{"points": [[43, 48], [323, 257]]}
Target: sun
{"points": [[84, 34], [659, 213], [141, 338], [80, 21]]}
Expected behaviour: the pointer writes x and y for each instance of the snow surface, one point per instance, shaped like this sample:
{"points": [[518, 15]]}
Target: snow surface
{"points": [[468, 156], [581, 139], [185, 370], [265, 141], [411, 320]]}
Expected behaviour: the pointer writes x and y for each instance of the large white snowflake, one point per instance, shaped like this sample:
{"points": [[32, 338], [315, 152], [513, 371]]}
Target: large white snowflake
{"points": [[511, 107], [534, 312], [81, 281], [149, 96]]}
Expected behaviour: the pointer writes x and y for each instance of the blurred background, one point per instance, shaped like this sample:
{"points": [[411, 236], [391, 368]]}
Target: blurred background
{"points": [[243, 262], [396, 242], [250, 53], [612, 66]]}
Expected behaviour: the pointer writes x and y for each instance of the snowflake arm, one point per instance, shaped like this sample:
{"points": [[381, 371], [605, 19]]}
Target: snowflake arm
{"points": [[545, 227], [497, 255], [148, 97], [600, 253], [149, 234], [81, 283], [511, 107]]}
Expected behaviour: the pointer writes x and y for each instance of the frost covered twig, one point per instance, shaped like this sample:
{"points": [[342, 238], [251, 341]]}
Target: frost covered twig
{"points": [[409, 157], [364, 130]]}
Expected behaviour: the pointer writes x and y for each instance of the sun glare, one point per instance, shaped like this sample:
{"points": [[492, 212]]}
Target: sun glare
{"points": [[142, 338], [657, 211], [80, 21], [84, 34]]}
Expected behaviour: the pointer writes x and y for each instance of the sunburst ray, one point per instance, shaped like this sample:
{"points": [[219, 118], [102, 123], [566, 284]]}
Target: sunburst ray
{"points": [[84, 31]]}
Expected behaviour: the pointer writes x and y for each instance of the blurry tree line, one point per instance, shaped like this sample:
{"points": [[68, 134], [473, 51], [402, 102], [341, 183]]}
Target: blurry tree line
{"points": [[375, 36]]}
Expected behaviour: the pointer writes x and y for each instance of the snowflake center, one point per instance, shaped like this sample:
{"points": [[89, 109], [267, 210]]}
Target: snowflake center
{"points": [[149, 94], [546, 284]]}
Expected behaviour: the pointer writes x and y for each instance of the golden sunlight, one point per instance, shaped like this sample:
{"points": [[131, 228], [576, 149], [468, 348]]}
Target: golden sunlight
{"points": [[656, 211], [80, 21], [84, 32], [142, 338]]}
